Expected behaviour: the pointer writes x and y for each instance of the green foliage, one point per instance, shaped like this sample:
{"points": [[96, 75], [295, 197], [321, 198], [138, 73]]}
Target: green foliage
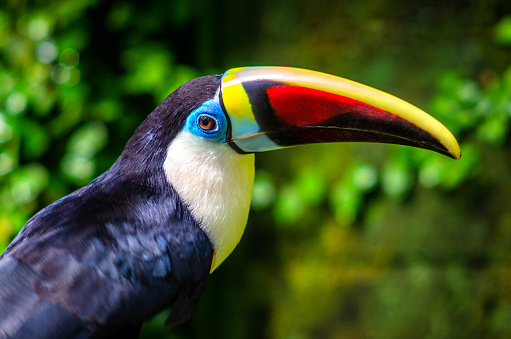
{"points": [[503, 31], [354, 241]]}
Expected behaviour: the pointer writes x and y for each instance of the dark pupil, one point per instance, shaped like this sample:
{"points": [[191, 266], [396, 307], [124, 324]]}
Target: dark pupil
{"points": [[207, 123]]}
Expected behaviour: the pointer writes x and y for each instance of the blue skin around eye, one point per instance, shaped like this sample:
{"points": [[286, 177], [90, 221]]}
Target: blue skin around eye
{"points": [[210, 108]]}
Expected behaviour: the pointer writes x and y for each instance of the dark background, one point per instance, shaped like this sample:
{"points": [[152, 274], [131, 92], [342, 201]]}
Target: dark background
{"points": [[343, 241]]}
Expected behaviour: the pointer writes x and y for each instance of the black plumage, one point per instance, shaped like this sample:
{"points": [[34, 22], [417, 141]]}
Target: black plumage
{"points": [[100, 261]]}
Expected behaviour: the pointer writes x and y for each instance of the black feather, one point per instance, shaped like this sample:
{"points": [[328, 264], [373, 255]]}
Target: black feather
{"points": [[102, 260]]}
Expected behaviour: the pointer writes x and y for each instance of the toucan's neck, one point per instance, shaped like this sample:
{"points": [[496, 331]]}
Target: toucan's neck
{"points": [[215, 183]]}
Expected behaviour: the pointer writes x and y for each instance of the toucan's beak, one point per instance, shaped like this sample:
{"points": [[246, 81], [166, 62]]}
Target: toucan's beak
{"points": [[274, 107]]}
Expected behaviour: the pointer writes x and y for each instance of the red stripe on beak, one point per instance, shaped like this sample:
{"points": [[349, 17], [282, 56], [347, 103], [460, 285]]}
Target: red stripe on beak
{"points": [[302, 106]]}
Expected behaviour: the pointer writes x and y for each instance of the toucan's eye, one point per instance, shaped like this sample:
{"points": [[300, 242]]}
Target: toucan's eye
{"points": [[207, 123]]}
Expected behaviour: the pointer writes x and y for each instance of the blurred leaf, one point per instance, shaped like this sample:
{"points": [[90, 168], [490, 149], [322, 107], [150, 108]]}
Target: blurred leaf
{"points": [[36, 140], [289, 206], [263, 194], [396, 179], [148, 69], [28, 182], [503, 31], [88, 140], [310, 186]]}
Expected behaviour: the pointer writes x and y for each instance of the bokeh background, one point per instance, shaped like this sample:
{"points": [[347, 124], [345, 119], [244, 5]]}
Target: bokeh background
{"points": [[343, 241]]}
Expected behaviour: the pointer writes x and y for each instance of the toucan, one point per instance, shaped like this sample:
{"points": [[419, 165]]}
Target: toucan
{"points": [[146, 234]]}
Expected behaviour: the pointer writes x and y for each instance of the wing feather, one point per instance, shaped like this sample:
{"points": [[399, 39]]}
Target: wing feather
{"points": [[98, 263]]}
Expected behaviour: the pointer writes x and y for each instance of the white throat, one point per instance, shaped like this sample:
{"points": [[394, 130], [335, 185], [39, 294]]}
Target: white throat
{"points": [[216, 184]]}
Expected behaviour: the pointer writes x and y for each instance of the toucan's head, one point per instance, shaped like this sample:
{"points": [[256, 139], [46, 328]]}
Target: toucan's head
{"points": [[218, 122]]}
